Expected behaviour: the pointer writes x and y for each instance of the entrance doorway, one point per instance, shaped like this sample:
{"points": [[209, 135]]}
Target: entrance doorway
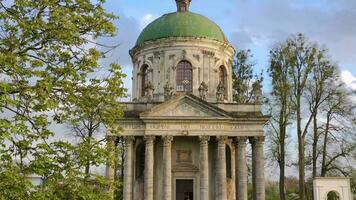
{"points": [[185, 189]]}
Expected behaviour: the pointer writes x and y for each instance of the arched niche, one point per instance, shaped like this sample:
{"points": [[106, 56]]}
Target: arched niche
{"points": [[333, 195]]}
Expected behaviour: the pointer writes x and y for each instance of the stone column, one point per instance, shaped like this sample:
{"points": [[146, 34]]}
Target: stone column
{"points": [[204, 167], [149, 164], [221, 171], [233, 172], [241, 186], [258, 180], [128, 172], [167, 167]]}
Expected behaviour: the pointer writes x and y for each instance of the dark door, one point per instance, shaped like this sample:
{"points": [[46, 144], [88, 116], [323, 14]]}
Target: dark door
{"points": [[184, 189]]}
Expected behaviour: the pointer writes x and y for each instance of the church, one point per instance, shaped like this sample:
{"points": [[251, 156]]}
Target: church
{"points": [[185, 136]]}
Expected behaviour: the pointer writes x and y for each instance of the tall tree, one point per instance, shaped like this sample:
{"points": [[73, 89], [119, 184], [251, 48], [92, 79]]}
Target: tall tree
{"points": [[45, 64], [280, 109], [91, 113], [337, 133], [300, 57], [324, 74]]}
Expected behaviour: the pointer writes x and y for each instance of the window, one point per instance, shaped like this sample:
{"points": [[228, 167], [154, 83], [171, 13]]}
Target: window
{"points": [[184, 77], [144, 79]]}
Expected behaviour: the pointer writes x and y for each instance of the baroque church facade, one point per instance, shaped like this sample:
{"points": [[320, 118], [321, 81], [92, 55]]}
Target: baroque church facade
{"points": [[185, 137]]}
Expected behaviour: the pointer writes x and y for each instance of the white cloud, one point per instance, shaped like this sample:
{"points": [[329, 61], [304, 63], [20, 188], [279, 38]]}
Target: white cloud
{"points": [[349, 79], [146, 19]]}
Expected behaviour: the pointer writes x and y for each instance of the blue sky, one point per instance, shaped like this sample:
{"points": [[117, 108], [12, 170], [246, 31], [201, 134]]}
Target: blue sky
{"points": [[252, 24]]}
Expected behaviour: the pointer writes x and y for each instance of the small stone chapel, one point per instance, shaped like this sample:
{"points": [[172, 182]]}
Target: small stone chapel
{"points": [[185, 137]]}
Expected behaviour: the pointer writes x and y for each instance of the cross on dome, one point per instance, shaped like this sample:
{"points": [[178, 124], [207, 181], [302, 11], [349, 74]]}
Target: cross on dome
{"points": [[183, 5]]}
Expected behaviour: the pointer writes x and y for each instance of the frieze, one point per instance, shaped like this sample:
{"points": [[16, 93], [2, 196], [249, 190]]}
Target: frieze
{"points": [[189, 126], [208, 53], [133, 126]]}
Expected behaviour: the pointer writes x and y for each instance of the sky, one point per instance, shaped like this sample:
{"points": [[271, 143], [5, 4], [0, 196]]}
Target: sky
{"points": [[251, 24]]}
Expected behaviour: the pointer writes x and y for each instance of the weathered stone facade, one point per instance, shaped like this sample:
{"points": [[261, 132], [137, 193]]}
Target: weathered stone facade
{"points": [[185, 137], [162, 57]]}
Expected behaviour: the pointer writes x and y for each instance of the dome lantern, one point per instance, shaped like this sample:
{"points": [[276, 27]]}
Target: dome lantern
{"points": [[183, 5]]}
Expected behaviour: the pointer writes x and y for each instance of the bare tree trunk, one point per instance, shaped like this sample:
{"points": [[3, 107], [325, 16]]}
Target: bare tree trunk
{"points": [[282, 138], [301, 160], [301, 163], [326, 133], [282, 195], [315, 144]]}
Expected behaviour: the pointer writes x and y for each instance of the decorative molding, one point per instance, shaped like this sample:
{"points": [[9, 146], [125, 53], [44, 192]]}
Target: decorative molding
{"points": [[172, 56], [204, 140], [197, 57], [149, 139], [216, 59], [156, 54], [150, 59], [184, 54], [221, 139], [208, 53], [128, 140], [167, 140], [185, 167]]}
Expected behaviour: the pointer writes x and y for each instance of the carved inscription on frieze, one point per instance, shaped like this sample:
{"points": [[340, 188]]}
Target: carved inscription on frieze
{"points": [[212, 127], [133, 126], [187, 126], [159, 126], [238, 127]]}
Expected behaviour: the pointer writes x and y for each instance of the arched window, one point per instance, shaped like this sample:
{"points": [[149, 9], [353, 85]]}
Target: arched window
{"points": [[228, 162], [222, 76], [144, 79], [140, 160], [184, 77]]}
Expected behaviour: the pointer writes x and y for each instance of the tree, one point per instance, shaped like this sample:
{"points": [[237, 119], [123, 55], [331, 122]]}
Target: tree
{"points": [[243, 77], [297, 66], [46, 69], [89, 111], [337, 133], [324, 74], [280, 109]]}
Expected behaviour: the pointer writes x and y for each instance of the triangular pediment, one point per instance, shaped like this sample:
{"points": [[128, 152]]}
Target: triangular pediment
{"points": [[185, 106]]}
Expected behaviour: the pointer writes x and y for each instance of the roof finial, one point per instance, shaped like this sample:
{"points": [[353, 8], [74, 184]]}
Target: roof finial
{"points": [[183, 5]]}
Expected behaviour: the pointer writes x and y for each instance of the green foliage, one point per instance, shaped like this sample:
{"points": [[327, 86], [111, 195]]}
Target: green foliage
{"points": [[47, 77], [243, 77]]}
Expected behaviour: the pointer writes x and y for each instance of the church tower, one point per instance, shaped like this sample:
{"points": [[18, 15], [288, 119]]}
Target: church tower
{"points": [[185, 137]]}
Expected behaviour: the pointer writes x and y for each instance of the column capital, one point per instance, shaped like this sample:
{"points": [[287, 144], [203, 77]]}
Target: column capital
{"points": [[257, 139], [204, 140], [149, 139], [241, 140], [128, 140], [221, 139], [167, 140]]}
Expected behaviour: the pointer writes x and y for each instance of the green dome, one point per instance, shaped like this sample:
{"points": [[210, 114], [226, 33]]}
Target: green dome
{"points": [[181, 24]]}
